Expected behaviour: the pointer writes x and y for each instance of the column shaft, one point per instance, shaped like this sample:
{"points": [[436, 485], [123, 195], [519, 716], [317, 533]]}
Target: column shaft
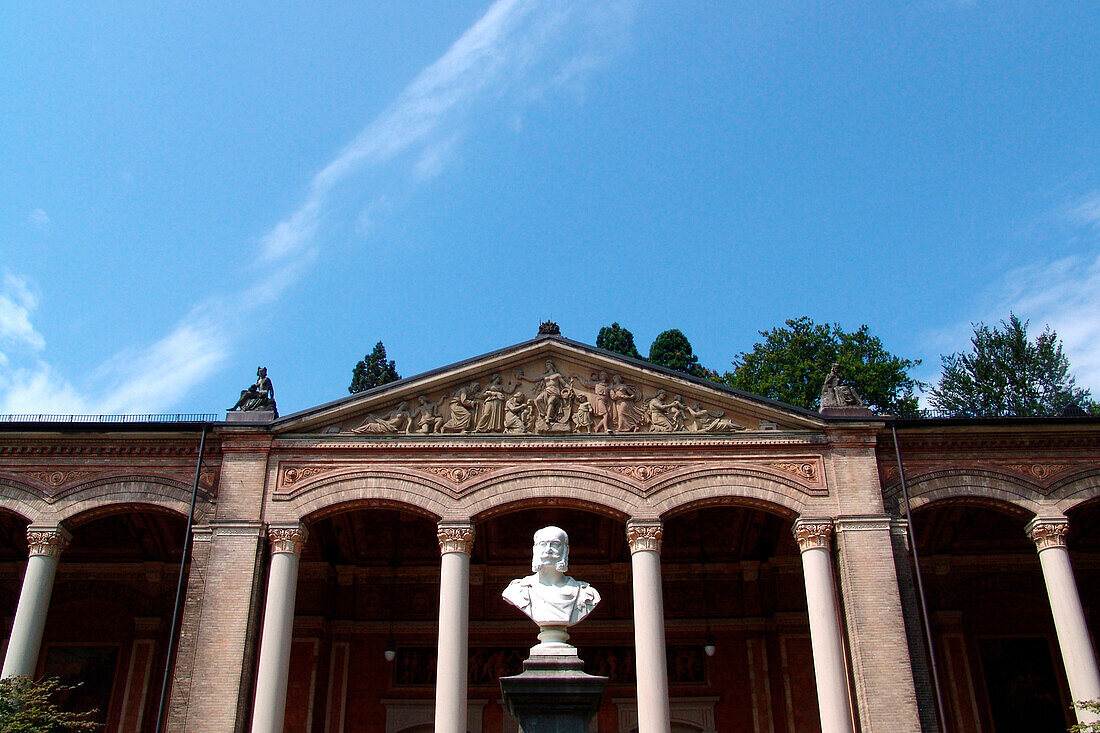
{"points": [[273, 669], [826, 635], [1069, 616], [45, 547], [455, 544], [649, 626]]}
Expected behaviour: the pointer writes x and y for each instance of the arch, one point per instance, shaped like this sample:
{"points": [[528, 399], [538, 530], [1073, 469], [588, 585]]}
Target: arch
{"points": [[576, 487], [975, 485], [724, 486], [22, 499], [119, 493], [1075, 490], [372, 488]]}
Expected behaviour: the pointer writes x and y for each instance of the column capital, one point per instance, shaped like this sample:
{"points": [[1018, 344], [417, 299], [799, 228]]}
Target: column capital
{"points": [[811, 534], [455, 537], [287, 538], [48, 541], [1047, 532], [644, 535]]}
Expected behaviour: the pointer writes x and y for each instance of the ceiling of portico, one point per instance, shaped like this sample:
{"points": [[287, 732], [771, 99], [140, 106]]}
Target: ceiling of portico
{"points": [[548, 387]]}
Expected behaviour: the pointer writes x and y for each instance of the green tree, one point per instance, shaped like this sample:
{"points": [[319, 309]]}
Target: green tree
{"points": [[1006, 373], [618, 339], [27, 706], [791, 363], [1092, 706], [671, 349], [373, 371]]}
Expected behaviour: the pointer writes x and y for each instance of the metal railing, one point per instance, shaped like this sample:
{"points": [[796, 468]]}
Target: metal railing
{"points": [[151, 417]]}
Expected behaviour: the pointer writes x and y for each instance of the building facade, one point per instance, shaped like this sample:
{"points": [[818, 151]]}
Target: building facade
{"points": [[344, 564]]}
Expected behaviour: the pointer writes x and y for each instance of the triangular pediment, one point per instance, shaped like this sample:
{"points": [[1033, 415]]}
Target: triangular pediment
{"points": [[548, 387]]}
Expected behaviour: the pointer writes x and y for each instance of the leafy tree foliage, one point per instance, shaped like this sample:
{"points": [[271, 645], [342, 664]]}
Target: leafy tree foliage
{"points": [[791, 363], [672, 349], [618, 339], [373, 371], [27, 706], [1092, 706], [1006, 373]]}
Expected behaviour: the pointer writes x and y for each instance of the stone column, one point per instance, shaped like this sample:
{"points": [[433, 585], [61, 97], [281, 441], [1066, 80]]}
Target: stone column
{"points": [[649, 626], [274, 667], [45, 545], [826, 637], [1049, 536], [456, 540]]}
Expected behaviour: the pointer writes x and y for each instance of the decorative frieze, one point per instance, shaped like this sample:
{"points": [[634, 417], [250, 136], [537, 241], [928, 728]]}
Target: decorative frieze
{"points": [[458, 474], [455, 538], [813, 534], [294, 474], [57, 478], [287, 539], [802, 469], [1038, 471], [1047, 532], [644, 536], [47, 541], [648, 473]]}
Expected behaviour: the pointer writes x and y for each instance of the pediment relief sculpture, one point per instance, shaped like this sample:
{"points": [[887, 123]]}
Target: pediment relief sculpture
{"points": [[549, 398]]}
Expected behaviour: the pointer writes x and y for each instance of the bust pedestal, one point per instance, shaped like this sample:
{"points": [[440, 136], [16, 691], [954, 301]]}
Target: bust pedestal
{"points": [[553, 694]]}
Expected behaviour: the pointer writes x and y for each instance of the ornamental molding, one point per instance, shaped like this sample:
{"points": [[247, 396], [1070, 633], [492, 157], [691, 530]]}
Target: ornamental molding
{"points": [[459, 474], [1047, 532], [643, 536], [287, 539], [813, 534], [455, 538], [647, 473], [141, 449], [56, 479], [807, 470], [294, 474], [1039, 471], [47, 541]]}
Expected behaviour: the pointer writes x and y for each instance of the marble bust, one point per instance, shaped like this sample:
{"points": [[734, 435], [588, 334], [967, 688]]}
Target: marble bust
{"points": [[548, 596]]}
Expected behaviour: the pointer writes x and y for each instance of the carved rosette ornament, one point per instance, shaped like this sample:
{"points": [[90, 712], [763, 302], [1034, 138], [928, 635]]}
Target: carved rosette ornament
{"points": [[455, 538], [287, 539], [47, 542], [1047, 532], [813, 534], [644, 536]]}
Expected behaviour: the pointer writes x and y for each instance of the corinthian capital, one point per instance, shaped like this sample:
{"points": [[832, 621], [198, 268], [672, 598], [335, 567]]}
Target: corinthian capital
{"points": [[47, 541], [1047, 532], [287, 539], [455, 537], [644, 536], [813, 533]]}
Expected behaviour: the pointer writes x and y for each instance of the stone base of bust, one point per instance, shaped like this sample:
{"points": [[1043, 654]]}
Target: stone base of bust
{"points": [[553, 694], [249, 416]]}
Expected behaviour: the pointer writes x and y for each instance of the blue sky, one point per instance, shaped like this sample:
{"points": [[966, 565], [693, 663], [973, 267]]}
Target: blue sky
{"points": [[188, 190]]}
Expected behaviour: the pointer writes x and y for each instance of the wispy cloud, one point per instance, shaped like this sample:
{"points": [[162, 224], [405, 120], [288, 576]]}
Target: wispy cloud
{"points": [[516, 53], [39, 219]]}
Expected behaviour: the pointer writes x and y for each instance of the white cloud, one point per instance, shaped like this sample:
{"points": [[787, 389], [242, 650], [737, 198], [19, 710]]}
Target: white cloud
{"points": [[1085, 211], [17, 303], [38, 389], [39, 219]]}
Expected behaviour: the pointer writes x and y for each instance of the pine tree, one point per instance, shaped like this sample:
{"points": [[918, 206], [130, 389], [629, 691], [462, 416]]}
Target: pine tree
{"points": [[373, 371], [618, 339], [672, 349]]}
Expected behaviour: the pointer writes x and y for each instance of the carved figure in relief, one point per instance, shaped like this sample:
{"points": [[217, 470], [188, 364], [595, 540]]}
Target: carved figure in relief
{"points": [[491, 416], [664, 415], [582, 415], [517, 414], [259, 397], [426, 419], [553, 394], [627, 413], [700, 420], [463, 408], [397, 421], [835, 394], [548, 596], [602, 407]]}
